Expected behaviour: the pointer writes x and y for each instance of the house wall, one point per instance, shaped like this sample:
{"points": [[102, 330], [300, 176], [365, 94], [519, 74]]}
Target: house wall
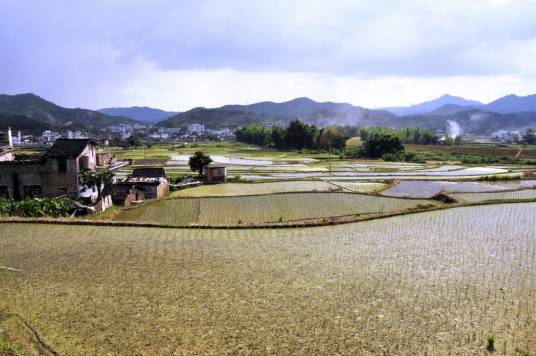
{"points": [[216, 174], [46, 174], [6, 155]]}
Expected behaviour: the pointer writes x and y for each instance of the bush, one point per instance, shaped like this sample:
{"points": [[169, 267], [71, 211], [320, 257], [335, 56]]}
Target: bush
{"points": [[36, 207]]}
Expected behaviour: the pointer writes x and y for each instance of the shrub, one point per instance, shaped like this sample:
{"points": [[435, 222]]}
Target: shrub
{"points": [[36, 207], [491, 343]]}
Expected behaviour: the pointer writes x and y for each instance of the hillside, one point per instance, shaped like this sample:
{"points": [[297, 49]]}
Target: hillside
{"points": [[305, 109], [140, 113], [41, 113]]}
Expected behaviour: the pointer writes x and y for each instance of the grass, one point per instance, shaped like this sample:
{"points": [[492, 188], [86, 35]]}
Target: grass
{"points": [[7, 348], [434, 283], [235, 189], [263, 209]]}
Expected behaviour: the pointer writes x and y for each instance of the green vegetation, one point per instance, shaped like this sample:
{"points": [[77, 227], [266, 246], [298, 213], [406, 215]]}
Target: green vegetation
{"points": [[297, 135], [102, 180], [263, 209], [235, 189], [491, 343], [36, 207], [198, 161], [408, 135], [379, 144], [7, 348], [434, 282]]}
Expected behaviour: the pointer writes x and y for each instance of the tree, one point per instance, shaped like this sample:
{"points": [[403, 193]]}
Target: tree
{"points": [[379, 144], [198, 161], [134, 141], [529, 137], [103, 180], [279, 134]]}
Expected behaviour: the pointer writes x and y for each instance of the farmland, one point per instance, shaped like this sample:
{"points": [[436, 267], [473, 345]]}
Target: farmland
{"points": [[233, 189], [526, 194], [304, 253], [437, 283], [263, 209]]}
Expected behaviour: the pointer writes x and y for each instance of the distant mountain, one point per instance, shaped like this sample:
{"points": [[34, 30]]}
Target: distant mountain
{"points": [[512, 103], [140, 113], [267, 112], [25, 111], [448, 109], [472, 121], [432, 105]]}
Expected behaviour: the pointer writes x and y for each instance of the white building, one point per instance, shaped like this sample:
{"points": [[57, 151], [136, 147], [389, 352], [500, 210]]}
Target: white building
{"points": [[6, 139], [72, 135], [197, 128], [49, 136]]}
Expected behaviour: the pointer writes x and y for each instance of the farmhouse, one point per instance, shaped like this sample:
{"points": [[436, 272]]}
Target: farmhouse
{"points": [[143, 183], [215, 173], [53, 174]]}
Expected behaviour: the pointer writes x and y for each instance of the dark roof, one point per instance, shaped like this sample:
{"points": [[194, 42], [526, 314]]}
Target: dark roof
{"points": [[149, 172], [66, 148]]}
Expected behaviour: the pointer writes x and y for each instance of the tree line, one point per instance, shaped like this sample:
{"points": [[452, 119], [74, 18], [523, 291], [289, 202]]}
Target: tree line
{"points": [[418, 136], [298, 135]]}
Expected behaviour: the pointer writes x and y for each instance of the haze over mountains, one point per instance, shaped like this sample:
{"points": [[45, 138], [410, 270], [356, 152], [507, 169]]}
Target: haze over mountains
{"points": [[32, 113], [141, 113]]}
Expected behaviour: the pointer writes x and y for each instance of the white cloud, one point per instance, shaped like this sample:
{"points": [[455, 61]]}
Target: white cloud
{"points": [[181, 53], [183, 90]]}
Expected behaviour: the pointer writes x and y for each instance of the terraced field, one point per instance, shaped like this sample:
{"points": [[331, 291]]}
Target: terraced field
{"points": [[496, 196], [361, 187], [433, 283], [263, 209], [234, 189]]}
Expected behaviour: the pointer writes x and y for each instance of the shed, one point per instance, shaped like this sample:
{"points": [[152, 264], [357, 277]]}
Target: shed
{"points": [[215, 173]]}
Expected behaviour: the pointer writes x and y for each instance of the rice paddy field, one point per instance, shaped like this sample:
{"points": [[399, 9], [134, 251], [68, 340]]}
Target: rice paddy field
{"points": [[263, 209], [234, 189], [434, 283], [526, 194]]}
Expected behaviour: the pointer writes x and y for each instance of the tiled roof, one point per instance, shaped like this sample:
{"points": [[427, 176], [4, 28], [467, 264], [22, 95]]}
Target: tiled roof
{"points": [[149, 172], [66, 148]]}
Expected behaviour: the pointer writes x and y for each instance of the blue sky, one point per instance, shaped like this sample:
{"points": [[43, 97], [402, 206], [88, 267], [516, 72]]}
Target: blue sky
{"points": [[180, 54]]}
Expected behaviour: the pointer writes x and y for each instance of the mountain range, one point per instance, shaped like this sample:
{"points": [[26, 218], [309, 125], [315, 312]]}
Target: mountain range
{"points": [[29, 112], [432, 105], [140, 113]]}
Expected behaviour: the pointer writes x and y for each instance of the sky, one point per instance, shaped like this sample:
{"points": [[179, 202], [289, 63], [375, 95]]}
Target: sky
{"points": [[176, 55]]}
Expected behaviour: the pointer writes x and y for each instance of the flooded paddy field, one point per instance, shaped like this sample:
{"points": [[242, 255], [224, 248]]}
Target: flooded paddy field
{"points": [[263, 209], [428, 189], [437, 283]]}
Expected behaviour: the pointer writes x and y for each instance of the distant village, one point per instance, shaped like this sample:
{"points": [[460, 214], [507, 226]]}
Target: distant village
{"points": [[65, 156], [119, 133]]}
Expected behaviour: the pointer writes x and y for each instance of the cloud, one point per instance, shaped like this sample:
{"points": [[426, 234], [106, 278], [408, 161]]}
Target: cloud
{"points": [[86, 52]]}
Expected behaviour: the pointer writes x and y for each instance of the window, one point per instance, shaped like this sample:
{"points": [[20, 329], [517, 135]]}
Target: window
{"points": [[62, 164], [4, 192], [31, 191]]}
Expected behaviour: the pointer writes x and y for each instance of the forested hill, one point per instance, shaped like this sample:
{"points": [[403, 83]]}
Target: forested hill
{"points": [[307, 110], [30, 112]]}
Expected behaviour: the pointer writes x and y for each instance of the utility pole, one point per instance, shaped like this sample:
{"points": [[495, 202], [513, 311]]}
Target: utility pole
{"points": [[329, 158]]}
